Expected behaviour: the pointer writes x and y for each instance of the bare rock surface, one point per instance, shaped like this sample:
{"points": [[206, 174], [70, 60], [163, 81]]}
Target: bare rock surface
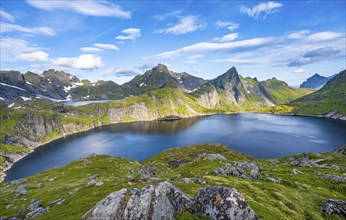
{"points": [[164, 200], [244, 170], [334, 206], [213, 156]]}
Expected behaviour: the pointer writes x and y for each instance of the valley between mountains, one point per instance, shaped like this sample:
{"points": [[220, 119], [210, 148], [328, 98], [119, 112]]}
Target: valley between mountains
{"points": [[30, 118]]}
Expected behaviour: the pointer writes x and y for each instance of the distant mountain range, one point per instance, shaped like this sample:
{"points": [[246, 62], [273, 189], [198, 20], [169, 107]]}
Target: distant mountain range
{"points": [[315, 81], [228, 91], [330, 100]]}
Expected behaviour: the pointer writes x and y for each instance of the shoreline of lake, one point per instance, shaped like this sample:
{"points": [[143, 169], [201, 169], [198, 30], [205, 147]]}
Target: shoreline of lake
{"points": [[62, 136]]}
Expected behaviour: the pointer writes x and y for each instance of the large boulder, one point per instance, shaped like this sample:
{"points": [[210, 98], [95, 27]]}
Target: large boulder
{"points": [[164, 200], [219, 202]]}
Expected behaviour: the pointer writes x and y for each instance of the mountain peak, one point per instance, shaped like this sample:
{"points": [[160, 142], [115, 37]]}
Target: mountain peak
{"points": [[315, 81], [316, 75], [161, 67], [233, 70]]}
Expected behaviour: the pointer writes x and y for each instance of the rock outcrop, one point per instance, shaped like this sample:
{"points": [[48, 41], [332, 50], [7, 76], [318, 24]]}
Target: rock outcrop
{"points": [[340, 150], [35, 209], [295, 172], [303, 162], [212, 156], [334, 178], [164, 200], [334, 206], [244, 170], [220, 202]]}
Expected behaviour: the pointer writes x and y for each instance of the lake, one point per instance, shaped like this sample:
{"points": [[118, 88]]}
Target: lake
{"points": [[79, 103], [259, 135]]}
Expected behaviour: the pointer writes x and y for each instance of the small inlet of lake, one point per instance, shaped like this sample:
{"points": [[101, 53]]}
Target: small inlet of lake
{"points": [[80, 103], [258, 135]]}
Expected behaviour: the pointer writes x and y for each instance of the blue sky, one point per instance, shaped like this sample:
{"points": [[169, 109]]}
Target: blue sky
{"points": [[115, 40]]}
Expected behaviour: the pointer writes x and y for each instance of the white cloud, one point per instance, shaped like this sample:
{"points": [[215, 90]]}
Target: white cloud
{"points": [[84, 61], [288, 52], [7, 16], [216, 47], [38, 56], [97, 47], [167, 15], [91, 8], [194, 57], [144, 66], [90, 49], [119, 72], [6, 27], [230, 25], [186, 25], [12, 47], [262, 10], [298, 34], [226, 38], [131, 34], [324, 36], [299, 70], [191, 61], [106, 46]]}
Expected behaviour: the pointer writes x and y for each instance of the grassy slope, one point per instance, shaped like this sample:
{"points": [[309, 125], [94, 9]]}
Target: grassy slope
{"points": [[280, 93], [331, 97], [297, 197]]}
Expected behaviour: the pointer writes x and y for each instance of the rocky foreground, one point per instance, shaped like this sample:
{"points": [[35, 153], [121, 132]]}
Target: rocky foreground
{"points": [[206, 181]]}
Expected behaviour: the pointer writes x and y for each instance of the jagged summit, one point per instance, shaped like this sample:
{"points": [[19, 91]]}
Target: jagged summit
{"points": [[227, 80], [227, 89], [160, 67]]}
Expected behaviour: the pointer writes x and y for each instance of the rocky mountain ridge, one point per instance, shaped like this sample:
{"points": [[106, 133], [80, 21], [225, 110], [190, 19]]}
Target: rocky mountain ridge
{"points": [[232, 90], [61, 86], [315, 81]]}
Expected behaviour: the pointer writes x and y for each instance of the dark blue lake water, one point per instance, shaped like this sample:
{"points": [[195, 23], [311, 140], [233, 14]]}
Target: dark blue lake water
{"points": [[259, 135]]}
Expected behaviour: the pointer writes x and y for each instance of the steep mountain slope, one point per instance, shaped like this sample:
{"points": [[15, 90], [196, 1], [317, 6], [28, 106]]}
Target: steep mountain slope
{"points": [[315, 81], [279, 92], [331, 98], [54, 85], [58, 85], [161, 77], [101, 90], [232, 92]]}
